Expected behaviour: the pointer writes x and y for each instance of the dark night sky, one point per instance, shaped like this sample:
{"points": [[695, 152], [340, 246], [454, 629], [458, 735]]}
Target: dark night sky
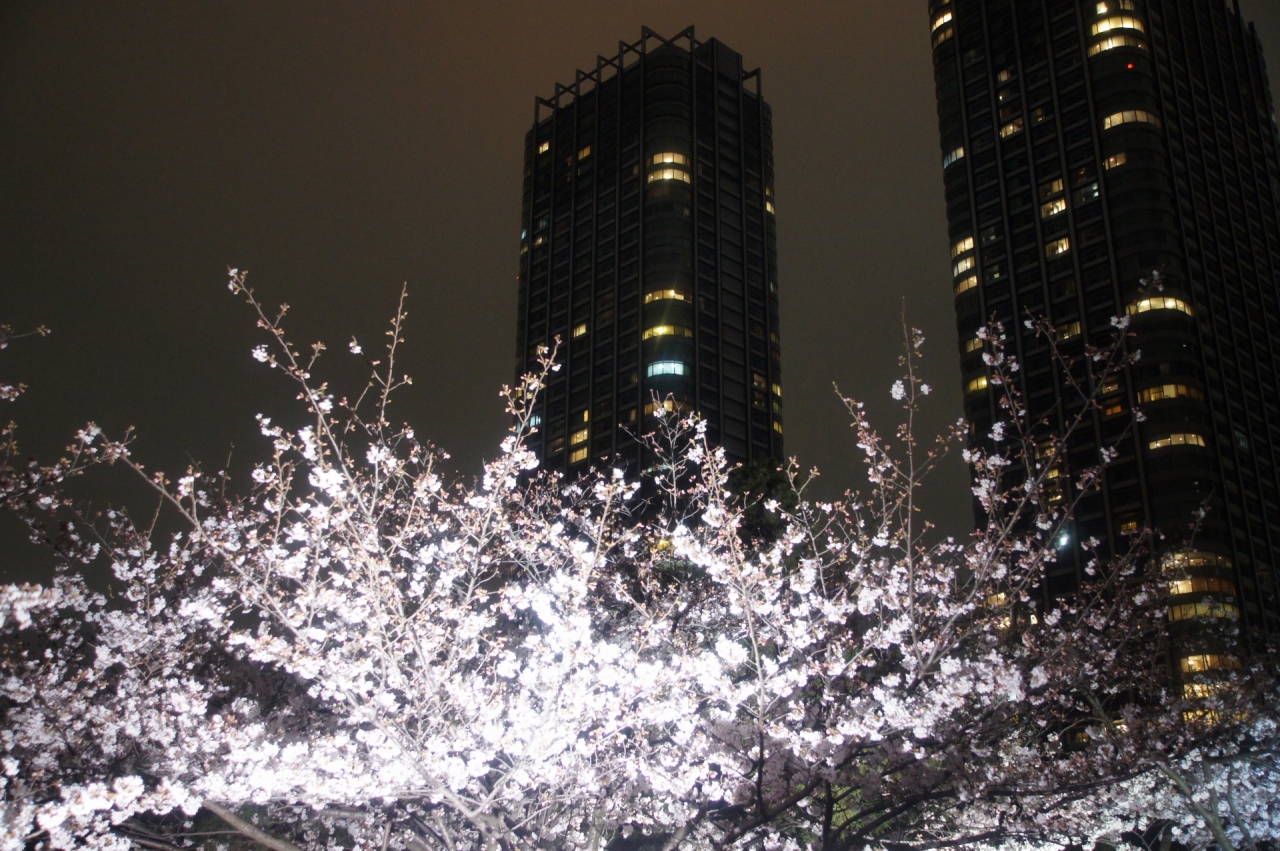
{"points": [[338, 150]]}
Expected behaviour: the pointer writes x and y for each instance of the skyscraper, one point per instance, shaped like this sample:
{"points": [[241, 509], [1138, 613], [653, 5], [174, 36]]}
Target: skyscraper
{"points": [[648, 248], [1085, 145]]}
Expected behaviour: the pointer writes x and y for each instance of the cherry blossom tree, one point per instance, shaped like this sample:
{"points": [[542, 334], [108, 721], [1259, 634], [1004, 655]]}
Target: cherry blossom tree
{"points": [[360, 653]]}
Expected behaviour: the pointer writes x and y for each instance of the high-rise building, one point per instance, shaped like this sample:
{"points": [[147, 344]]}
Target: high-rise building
{"points": [[648, 249], [1086, 145]]}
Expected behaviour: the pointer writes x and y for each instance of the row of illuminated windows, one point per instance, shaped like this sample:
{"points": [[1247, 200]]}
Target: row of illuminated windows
{"points": [[1194, 560], [670, 174], [1119, 22], [1112, 42], [1187, 611], [667, 331], [1162, 392], [1178, 439], [953, 157], [1159, 303], [1208, 662], [1202, 585], [1130, 116]]}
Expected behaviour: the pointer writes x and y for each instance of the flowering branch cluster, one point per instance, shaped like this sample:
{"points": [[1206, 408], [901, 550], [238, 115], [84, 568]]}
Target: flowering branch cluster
{"points": [[361, 654]]}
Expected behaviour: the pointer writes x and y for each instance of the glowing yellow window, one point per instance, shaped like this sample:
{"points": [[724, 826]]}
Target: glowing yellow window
{"points": [[1130, 116], [1114, 41], [777, 426], [1115, 6], [544, 147], [669, 405], [1120, 22], [768, 206], [1202, 585], [1208, 662], [667, 295], [777, 390], [1192, 691], [961, 247], [943, 35], [1053, 208], [667, 331], [584, 153], [944, 18], [1187, 611], [670, 174], [578, 455], [1058, 247], [1068, 331], [1116, 160], [1193, 559], [972, 345], [964, 265], [1159, 303], [1013, 127], [1180, 439], [967, 284], [976, 385], [579, 329], [1169, 391], [579, 436], [669, 157]]}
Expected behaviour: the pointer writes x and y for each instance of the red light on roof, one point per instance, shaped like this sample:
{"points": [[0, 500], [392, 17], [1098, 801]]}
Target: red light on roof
{"points": [[1130, 66]]}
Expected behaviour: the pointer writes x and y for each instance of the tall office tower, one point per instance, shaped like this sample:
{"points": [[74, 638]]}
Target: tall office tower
{"points": [[1085, 145], [648, 250]]}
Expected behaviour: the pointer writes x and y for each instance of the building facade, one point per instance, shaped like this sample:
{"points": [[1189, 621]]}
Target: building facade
{"points": [[648, 250], [1087, 145]]}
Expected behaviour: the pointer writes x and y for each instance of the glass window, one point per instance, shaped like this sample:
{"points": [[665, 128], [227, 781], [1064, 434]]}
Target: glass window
{"points": [[967, 284], [1058, 247], [953, 157], [666, 367], [1193, 560], [1179, 439], [976, 385], [544, 147], [669, 157], [1114, 41], [1053, 208], [670, 406], [1202, 585], [777, 426], [579, 329], [964, 265], [1208, 662], [1159, 303], [1116, 160], [1068, 331], [667, 331], [667, 295], [1130, 116], [578, 455], [1053, 187], [1120, 22], [961, 247], [972, 344], [1169, 391], [944, 18], [1014, 126], [670, 174], [584, 153], [1186, 611], [579, 436]]}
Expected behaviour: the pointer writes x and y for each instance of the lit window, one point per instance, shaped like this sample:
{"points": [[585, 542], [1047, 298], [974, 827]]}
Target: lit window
{"points": [[1202, 716], [1128, 526], [544, 147], [1130, 116], [768, 206], [1014, 126], [666, 367], [1068, 331], [584, 153], [758, 380], [670, 174], [953, 157], [1116, 160], [1087, 194], [777, 426], [667, 295], [1179, 439], [578, 455], [777, 390], [668, 405], [579, 436], [586, 416], [976, 385], [972, 345], [1115, 6], [1121, 22], [944, 18], [535, 420], [539, 240], [669, 158], [1053, 208], [943, 35], [579, 329], [1202, 585], [1159, 303], [1053, 187], [1110, 409], [1169, 391], [667, 331], [1192, 691], [1007, 74], [1114, 41], [1058, 247], [1193, 559], [996, 600], [965, 264], [967, 284], [1208, 662], [1187, 611], [961, 247]]}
